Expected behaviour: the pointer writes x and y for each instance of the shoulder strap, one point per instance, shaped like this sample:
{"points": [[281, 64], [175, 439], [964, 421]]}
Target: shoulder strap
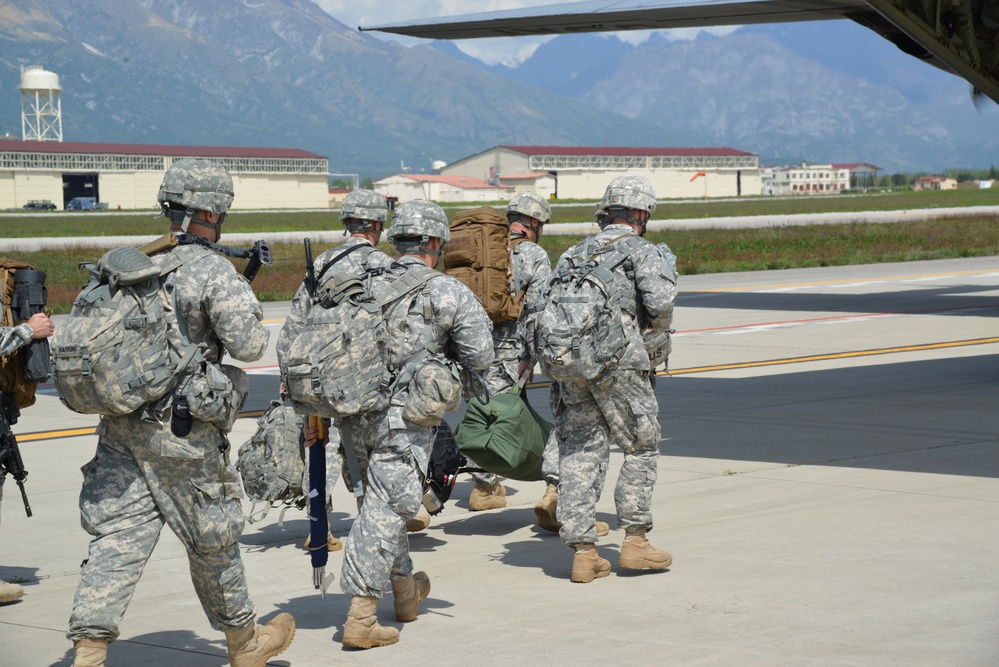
{"points": [[337, 258]]}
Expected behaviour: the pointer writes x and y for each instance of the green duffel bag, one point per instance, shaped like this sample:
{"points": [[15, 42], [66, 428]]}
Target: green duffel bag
{"points": [[504, 436]]}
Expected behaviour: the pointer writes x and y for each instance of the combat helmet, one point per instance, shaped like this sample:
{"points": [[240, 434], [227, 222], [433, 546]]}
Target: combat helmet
{"points": [[531, 205], [627, 192], [360, 209], [195, 184], [414, 223]]}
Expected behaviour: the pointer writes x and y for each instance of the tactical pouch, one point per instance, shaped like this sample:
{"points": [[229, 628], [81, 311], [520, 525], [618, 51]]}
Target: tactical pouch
{"points": [[434, 389], [216, 396]]}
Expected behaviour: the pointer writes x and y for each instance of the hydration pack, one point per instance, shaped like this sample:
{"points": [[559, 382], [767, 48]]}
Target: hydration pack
{"points": [[112, 355], [580, 332], [342, 362]]}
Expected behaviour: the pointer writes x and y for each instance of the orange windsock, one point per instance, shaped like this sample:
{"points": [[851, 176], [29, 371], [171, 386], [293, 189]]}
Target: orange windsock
{"points": [[700, 173]]}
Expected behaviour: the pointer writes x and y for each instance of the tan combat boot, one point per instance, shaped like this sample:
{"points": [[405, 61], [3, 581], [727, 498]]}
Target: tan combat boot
{"points": [[10, 592], [545, 513], [545, 510], [254, 645], [587, 565], [361, 629], [408, 594], [487, 498], [90, 652], [332, 543], [638, 554], [419, 522]]}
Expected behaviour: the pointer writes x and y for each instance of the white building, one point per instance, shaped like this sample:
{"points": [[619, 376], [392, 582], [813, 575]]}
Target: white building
{"points": [[128, 176], [806, 179], [581, 172], [441, 188]]}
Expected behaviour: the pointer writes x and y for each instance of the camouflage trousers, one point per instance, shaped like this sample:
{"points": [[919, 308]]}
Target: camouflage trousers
{"points": [[590, 416], [140, 479], [378, 549], [336, 464]]}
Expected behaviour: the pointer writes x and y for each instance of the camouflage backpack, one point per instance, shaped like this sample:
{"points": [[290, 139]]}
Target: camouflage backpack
{"points": [[112, 355], [478, 255], [272, 461], [342, 362], [579, 333]]}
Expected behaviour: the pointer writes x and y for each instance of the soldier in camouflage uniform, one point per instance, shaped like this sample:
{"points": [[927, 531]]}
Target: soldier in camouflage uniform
{"points": [[143, 476], [377, 553], [618, 407], [363, 216], [531, 268], [11, 338]]}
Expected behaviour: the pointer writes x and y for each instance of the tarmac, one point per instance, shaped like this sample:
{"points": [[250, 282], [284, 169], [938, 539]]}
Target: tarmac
{"points": [[827, 486]]}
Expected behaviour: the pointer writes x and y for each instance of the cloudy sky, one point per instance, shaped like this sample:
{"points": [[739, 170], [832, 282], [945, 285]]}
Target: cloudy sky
{"points": [[509, 50]]}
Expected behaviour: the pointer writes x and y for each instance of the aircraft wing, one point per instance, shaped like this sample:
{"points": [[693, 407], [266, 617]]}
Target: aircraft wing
{"points": [[960, 37]]}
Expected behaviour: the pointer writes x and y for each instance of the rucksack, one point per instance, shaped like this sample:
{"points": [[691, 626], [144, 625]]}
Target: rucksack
{"points": [[112, 355], [478, 255], [579, 332], [342, 362], [272, 462], [13, 381]]}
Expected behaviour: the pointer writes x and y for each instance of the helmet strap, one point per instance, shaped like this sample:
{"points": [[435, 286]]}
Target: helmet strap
{"points": [[622, 212]]}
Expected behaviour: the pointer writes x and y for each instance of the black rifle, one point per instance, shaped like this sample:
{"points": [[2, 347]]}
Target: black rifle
{"points": [[259, 254], [10, 454]]}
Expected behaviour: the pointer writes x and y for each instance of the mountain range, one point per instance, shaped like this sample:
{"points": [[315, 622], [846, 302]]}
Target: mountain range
{"points": [[285, 73]]}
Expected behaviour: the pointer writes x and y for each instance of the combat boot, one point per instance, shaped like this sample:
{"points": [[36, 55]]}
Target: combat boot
{"points": [[361, 629], [587, 565], [332, 543], [408, 593], [90, 652], [10, 592], [419, 522], [638, 554], [545, 510], [254, 645], [487, 498]]}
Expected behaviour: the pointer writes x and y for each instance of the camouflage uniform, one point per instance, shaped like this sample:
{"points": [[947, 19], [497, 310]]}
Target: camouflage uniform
{"points": [[531, 270], [378, 549], [355, 263], [616, 408], [143, 476]]}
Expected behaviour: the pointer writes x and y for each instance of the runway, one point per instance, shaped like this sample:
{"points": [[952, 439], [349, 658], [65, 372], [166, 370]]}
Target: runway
{"points": [[828, 487]]}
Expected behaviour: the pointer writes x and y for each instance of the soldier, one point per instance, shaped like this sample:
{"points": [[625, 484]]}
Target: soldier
{"points": [[363, 216], [618, 407], [37, 327], [143, 476], [446, 317], [527, 213]]}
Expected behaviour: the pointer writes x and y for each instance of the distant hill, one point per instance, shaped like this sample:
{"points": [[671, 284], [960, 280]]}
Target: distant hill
{"points": [[285, 73], [828, 91], [276, 73]]}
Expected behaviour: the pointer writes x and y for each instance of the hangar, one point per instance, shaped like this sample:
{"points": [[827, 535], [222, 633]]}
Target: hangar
{"points": [[582, 172], [128, 176]]}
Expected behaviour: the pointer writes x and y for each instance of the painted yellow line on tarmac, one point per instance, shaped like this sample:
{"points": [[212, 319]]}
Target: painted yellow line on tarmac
{"points": [[837, 355], [856, 281], [71, 433]]}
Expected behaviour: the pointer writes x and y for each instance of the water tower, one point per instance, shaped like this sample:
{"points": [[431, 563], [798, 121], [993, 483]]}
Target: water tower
{"points": [[41, 108]]}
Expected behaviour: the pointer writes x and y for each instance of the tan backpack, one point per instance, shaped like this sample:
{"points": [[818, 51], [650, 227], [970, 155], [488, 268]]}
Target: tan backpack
{"points": [[12, 380], [478, 255]]}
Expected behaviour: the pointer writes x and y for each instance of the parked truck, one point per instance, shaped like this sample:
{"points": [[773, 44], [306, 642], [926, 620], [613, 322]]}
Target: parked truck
{"points": [[85, 204]]}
